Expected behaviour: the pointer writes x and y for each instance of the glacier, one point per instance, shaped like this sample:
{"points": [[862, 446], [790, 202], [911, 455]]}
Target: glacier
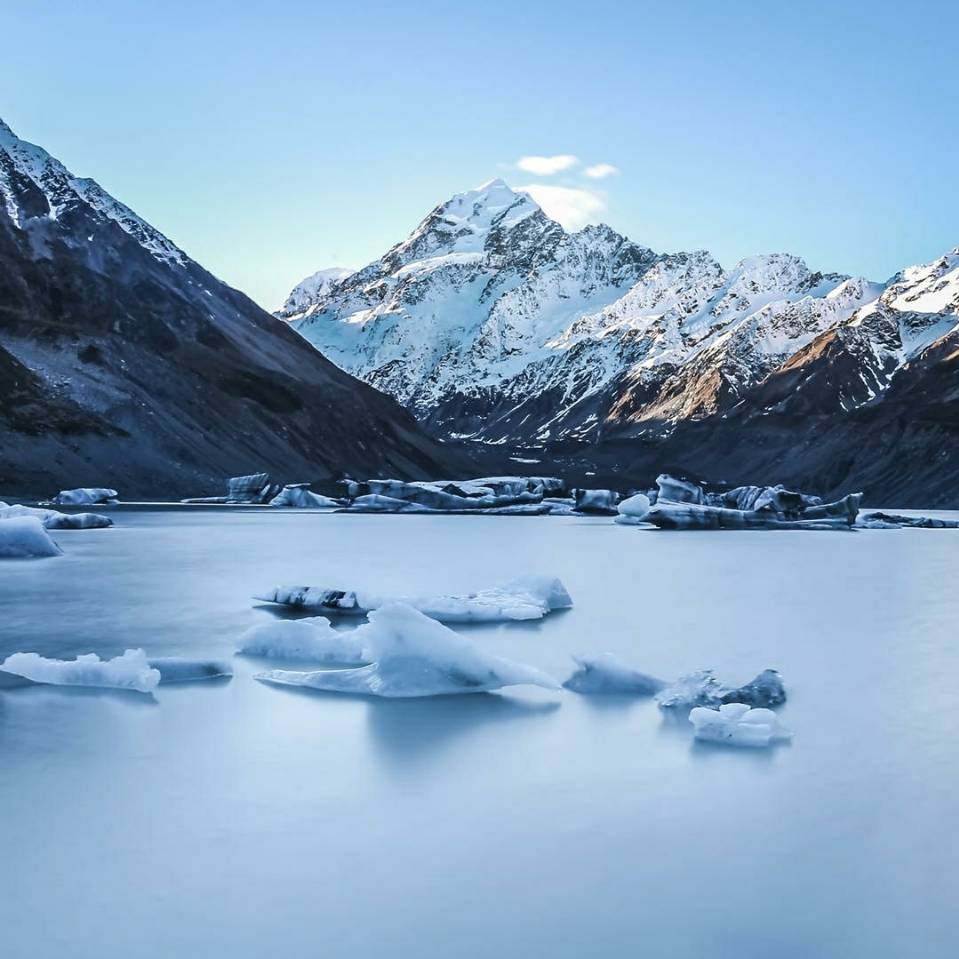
{"points": [[414, 656], [523, 598]]}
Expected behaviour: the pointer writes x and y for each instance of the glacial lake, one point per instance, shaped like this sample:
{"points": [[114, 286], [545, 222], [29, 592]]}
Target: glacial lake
{"points": [[236, 819]]}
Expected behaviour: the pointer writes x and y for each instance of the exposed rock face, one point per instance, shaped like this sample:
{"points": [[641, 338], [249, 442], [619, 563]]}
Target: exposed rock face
{"points": [[121, 357]]}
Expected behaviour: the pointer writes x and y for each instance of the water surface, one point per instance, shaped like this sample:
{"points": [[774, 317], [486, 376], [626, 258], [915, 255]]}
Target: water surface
{"points": [[237, 819]]}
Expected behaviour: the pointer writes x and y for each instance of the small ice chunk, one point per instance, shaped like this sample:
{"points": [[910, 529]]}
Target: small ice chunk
{"points": [[178, 669], [700, 688], [765, 690], [305, 640], [85, 496], [24, 537], [527, 597], [607, 673], [736, 724], [414, 655], [129, 671]]}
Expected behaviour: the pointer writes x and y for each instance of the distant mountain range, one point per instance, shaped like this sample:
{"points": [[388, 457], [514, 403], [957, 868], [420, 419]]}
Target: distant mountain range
{"points": [[124, 363], [492, 323]]}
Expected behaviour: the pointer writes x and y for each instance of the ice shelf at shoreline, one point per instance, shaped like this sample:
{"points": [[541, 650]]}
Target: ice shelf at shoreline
{"points": [[414, 656], [527, 597]]}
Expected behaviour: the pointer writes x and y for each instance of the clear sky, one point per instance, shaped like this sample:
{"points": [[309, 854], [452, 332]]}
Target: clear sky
{"points": [[270, 139]]}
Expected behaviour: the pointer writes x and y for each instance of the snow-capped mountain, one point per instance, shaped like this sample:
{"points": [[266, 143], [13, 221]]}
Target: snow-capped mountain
{"points": [[312, 289], [123, 362], [491, 321]]}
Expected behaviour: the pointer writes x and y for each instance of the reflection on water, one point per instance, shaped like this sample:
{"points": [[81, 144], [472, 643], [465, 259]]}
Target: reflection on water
{"points": [[232, 818]]}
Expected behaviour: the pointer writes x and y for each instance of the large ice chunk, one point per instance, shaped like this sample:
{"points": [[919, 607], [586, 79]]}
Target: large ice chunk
{"points": [[414, 655], [305, 640], [736, 724], [766, 690], [602, 501], [24, 537], [299, 496], [53, 519], [132, 670], [527, 597], [607, 673], [180, 669], [85, 496], [632, 510]]}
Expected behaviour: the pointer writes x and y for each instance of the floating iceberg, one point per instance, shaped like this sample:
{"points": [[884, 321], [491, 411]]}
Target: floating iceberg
{"points": [[670, 515], [602, 501], [702, 688], [24, 537], [414, 655], [178, 669], [677, 490], [527, 597], [252, 489], [305, 640], [608, 674], [52, 519], [895, 520], [736, 724], [85, 496], [632, 510], [299, 496], [132, 670]]}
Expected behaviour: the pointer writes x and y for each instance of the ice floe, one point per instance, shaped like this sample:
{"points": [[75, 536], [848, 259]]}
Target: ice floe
{"points": [[25, 537], [607, 673], [132, 670], [527, 597], [182, 669], [85, 496], [736, 724], [414, 655], [304, 640]]}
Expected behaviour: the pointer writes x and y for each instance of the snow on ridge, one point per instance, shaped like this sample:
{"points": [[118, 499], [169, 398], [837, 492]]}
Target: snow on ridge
{"points": [[62, 189]]}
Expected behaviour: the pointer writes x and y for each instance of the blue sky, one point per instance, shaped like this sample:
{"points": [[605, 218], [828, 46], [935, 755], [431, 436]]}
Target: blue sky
{"points": [[270, 139]]}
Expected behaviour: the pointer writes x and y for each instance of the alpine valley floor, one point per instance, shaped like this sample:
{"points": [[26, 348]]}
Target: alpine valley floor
{"points": [[232, 818]]}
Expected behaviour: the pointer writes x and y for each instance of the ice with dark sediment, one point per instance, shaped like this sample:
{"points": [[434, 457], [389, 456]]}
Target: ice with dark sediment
{"points": [[496, 494], [85, 496], [304, 640], [131, 670], [600, 501], [413, 655], [25, 537], [737, 724], [879, 520], [253, 489], [702, 688], [607, 674], [523, 598], [300, 496], [677, 490]]}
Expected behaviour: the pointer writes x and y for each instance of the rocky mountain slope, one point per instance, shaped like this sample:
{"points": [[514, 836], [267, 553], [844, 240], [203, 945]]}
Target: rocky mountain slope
{"points": [[491, 322], [125, 363]]}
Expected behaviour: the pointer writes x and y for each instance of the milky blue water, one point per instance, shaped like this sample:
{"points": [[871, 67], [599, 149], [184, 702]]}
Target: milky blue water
{"points": [[241, 820]]}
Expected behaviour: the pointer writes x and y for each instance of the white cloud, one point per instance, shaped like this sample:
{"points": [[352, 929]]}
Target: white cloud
{"points": [[600, 170], [547, 166], [570, 207]]}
